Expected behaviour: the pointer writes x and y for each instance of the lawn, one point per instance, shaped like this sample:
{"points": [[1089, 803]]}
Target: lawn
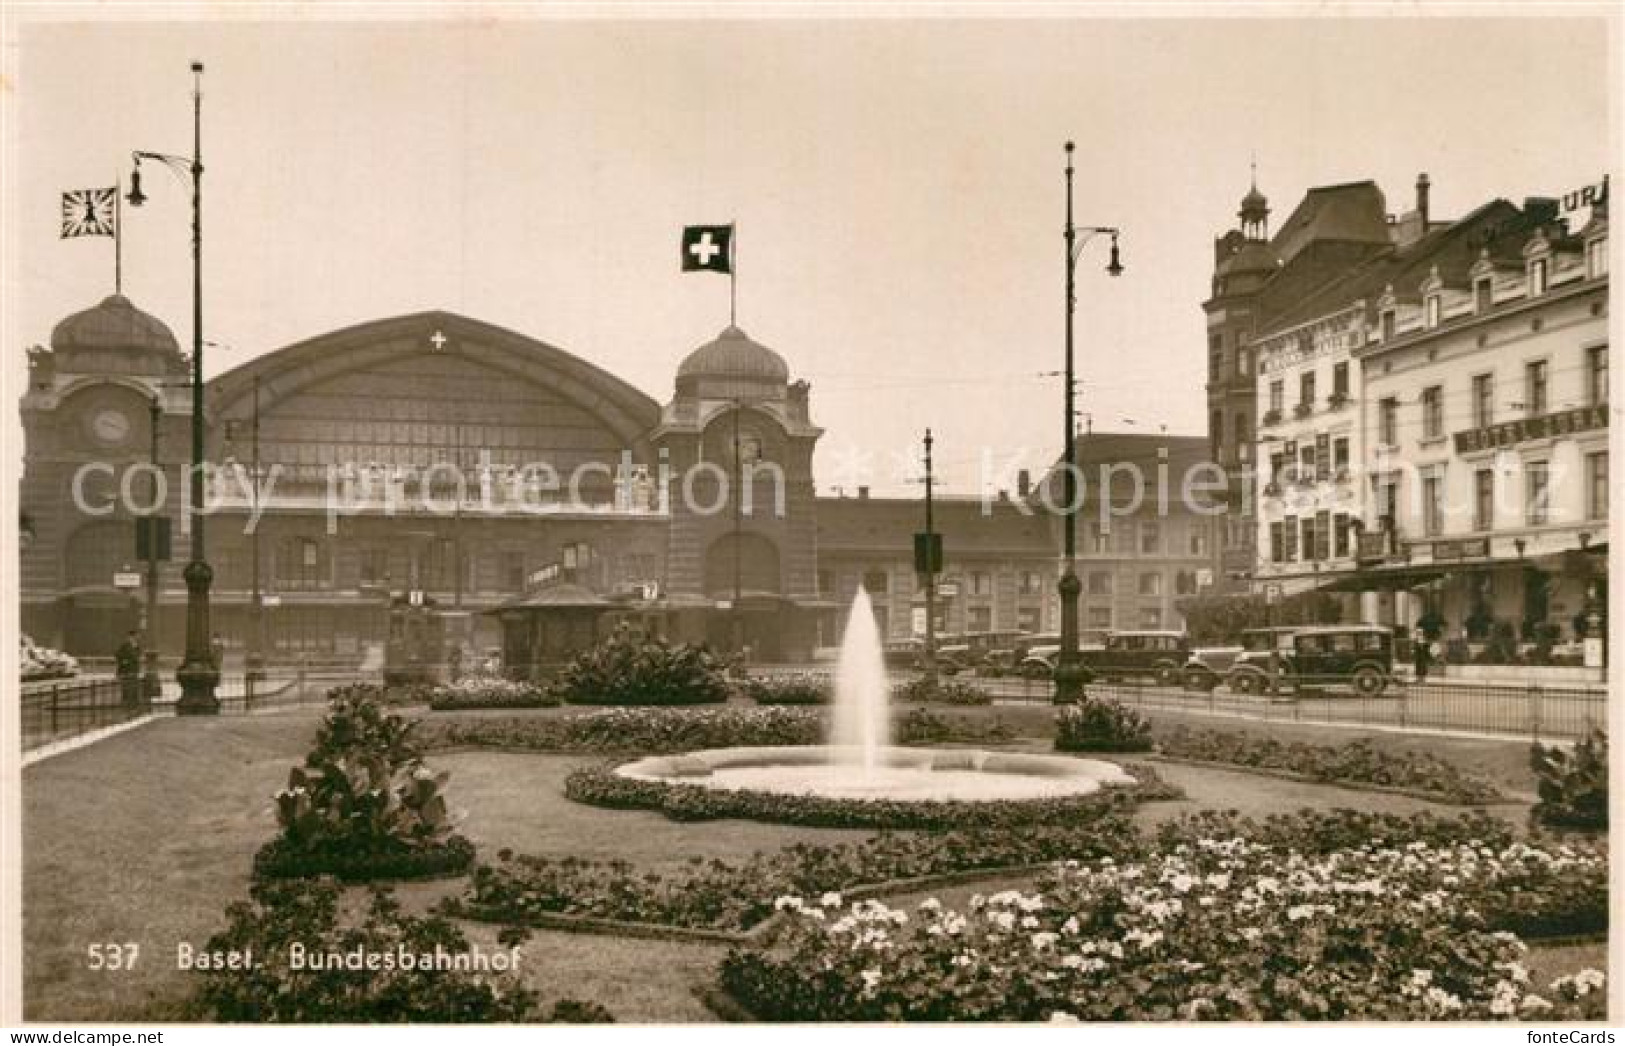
{"points": [[148, 835]]}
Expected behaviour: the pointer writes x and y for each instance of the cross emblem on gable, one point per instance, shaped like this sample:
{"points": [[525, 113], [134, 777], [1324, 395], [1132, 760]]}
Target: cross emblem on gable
{"points": [[437, 341]]}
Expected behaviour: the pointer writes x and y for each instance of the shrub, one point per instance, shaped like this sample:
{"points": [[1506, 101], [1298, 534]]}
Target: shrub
{"points": [[1357, 763], [601, 786], [1573, 786], [1101, 725], [363, 805], [490, 692], [788, 690], [629, 669], [1218, 929], [723, 895], [942, 692], [357, 725], [575, 1011], [283, 915]]}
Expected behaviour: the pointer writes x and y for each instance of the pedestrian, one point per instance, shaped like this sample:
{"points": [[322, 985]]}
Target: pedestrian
{"points": [[127, 664], [1421, 654]]}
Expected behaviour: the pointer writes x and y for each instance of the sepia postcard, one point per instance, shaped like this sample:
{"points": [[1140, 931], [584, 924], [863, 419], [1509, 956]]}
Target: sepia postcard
{"points": [[687, 514]]}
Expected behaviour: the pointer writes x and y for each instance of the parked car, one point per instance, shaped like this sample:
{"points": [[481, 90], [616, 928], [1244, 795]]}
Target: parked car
{"points": [[903, 653], [1207, 667], [1358, 656], [1037, 660], [1157, 654]]}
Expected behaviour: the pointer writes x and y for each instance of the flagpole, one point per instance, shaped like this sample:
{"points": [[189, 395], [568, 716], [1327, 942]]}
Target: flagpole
{"points": [[733, 276], [118, 236]]}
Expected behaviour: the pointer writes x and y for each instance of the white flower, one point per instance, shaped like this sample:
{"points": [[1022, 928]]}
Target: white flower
{"points": [[1070, 926], [1062, 1018], [930, 904], [787, 901], [871, 980], [1535, 1004], [1042, 941], [830, 900]]}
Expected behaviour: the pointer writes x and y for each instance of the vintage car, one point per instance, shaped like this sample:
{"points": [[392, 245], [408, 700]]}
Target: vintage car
{"points": [[1157, 654], [1207, 667], [1036, 659], [1357, 656]]}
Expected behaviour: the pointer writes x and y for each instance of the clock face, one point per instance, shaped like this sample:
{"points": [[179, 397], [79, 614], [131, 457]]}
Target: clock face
{"points": [[110, 425]]}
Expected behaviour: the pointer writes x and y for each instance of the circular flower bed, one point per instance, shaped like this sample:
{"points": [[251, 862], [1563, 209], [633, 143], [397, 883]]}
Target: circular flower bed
{"points": [[603, 786]]}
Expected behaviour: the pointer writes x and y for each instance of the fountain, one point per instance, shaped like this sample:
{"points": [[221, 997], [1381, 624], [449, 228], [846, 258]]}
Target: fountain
{"points": [[859, 762], [862, 725]]}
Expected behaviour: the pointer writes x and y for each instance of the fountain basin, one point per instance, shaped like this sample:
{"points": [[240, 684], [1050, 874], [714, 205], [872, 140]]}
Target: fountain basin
{"points": [[960, 775]]}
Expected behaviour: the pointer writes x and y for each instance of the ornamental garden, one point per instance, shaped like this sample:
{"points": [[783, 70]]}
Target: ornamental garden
{"points": [[468, 853]]}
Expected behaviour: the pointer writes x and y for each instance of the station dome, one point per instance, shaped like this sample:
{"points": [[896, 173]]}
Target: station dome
{"points": [[113, 325], [732, 355]]}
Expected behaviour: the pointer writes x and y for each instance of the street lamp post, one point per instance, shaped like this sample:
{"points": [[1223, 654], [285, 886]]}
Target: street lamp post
{"points": [[150, 686], [198, 674], [1068, 677]]}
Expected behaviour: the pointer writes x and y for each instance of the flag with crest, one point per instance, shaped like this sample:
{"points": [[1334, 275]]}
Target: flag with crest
{"points": [[89, 212]]}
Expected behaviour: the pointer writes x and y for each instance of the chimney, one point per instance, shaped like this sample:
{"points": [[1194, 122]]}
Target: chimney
{"points": [[863, 493], [1422, 186], [1024, 483]]}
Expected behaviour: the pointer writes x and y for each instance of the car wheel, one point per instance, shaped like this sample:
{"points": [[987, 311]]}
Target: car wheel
{"points": [[1369, 681], [1167, 675], [1200, 679], [1244, 683]]}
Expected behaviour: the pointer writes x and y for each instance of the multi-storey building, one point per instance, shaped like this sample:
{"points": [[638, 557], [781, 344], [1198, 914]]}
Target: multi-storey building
{"points": [[1148, 509], [1487, 411], [1258, 279]]}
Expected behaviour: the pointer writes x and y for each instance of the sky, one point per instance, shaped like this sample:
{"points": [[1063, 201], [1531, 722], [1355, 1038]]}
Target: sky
{"points": [[897, 186]]}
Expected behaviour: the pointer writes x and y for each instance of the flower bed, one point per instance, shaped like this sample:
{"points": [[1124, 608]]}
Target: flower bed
{"points": [[1217, 929], [601, 786], [1101, 725], [1357, 763], [720, 895], [942, 692], [802, 689], [279, 859], [660, 730], [309, 914], [628, 731], [490, 692]]}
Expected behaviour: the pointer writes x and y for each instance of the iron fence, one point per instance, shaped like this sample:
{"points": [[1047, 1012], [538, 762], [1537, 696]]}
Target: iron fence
{"points": [[1512, 709], [67, 708]]}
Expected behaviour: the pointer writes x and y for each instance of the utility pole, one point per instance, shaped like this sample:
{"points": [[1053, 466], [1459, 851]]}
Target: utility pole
{"points": [[930, 574], [254, 663]]}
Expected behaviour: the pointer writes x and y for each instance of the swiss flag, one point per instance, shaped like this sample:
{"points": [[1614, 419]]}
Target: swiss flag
{"points": [[708, 248]]}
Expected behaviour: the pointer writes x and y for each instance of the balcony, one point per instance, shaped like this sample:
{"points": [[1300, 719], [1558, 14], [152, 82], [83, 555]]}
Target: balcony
{"points": [[1271, 417], [1303, 410], [1337, 401]]}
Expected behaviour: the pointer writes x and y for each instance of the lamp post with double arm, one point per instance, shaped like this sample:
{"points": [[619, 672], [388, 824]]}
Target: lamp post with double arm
{"points": [[1068, 677], [198, 675]]}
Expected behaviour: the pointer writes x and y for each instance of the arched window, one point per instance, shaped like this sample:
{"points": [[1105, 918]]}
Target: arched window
{"points": [[758, 565]]}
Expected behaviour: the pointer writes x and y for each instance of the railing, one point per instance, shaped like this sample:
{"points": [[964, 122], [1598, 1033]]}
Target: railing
{"points": [[64, 709], [1509, 709], [61, 710]]}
